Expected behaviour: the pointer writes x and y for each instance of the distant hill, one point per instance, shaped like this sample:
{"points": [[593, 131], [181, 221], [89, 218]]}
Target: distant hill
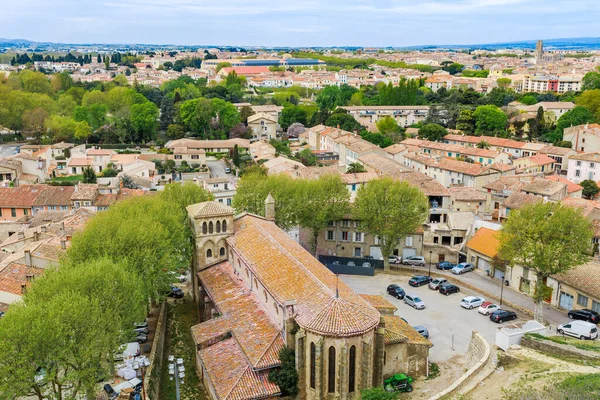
{"points": [[16, 42]]}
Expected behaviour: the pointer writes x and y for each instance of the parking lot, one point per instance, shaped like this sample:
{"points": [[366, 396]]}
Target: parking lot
{"points": [[449, 324]]}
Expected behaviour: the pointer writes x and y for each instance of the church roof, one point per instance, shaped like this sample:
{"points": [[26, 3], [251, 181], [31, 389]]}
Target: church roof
{"points": [[209, 209], [323, 303]]}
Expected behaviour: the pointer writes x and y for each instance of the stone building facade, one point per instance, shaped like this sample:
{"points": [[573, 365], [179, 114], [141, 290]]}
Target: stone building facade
{"points": [[259, 291]]}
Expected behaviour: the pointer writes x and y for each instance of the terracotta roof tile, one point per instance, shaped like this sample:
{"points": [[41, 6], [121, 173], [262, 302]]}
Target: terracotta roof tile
{"points": [[14, 276], [572, 187], [466, 194], [486, 242], [379, 302], [288, 271], [398, 331], [518, 200], [584, 277], [213, 208]]}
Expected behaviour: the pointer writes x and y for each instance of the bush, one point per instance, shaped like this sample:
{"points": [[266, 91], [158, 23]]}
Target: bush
{"points": [[286, 377]]}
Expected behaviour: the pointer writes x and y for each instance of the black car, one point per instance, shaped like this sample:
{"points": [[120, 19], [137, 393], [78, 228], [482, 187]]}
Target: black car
{"points": [[448, 288], [419, 280], [500, 316], [396, 291], [585, 315], [175, 292], [445, 265]]}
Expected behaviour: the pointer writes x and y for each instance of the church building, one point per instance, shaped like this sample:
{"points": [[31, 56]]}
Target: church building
{"points": [[258, 290]]}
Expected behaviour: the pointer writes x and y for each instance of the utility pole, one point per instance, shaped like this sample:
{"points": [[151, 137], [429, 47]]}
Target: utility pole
{"points": [[177, 370]]}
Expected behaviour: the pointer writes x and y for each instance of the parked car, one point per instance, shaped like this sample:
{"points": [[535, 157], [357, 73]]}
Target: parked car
{"points": [[579, 329], [141, 338], [471, 302], [445, 265], [419, 280], [396, 291], [585, 315], [414, 260], [351, 264], [414, 301], [175, 292], [462, 268], [143, 330], [366, 265], [394, 260], [500, 316], [448, 288], [422, 330], [227, 170], [143, 324], [487, 308], [435, 284]]}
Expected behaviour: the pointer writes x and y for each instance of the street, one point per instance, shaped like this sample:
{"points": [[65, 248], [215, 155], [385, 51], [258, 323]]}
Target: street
{"points": [[449, 324], [8, 150], [216, 168]]}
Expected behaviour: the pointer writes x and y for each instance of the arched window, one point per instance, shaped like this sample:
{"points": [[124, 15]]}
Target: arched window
{"points": [[352, 369], [222, 252], [210, 227], [204, 228], [208, 253], [313, 359], [224, 226], [266, 295], [331, 371], [218, 226], [255, 283]]}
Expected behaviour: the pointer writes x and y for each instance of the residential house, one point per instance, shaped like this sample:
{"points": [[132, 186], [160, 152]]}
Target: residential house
{"points": [[262, 150], [549, 189], [222, 189], [283, 165], [14, 279], [77, 165], [538, 164], [482, 251], [560, 155], [396, 152], [443, 240], [584, 138], [467, 199], [404, 116], [10, 171], [189, 155], [583, 167], [263, 126], [354, 182], [143, 173], [573, 190], [100, 158], [209, 146], [577, 288], [555, 108], [516, 201], [85, 195], [474, 154]]}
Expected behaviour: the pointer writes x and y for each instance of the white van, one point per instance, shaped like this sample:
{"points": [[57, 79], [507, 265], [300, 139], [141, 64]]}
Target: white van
{"points": [[579, 329]]}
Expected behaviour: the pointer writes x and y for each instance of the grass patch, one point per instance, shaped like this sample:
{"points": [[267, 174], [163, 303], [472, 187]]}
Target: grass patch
{"points": [[182, 316], [578, 343], [67, 179]]}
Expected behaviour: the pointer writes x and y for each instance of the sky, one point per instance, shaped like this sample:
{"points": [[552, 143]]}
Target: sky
{"points": [[293, 23]]}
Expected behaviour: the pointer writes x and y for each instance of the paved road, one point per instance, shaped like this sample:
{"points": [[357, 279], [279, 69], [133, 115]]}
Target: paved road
{"points": [[449, 324], [492, 286], [6, 151], [216, 168]]}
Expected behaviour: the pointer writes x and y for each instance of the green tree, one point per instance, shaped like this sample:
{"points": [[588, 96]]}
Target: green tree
{"points": [[548, 239], [307, 157], [503, 82], [489, 119], [529, 100], [465, 121], [175, 131], [388, 126], [89, 176], [286, 377], [292, 114], [590, 188], [577, 116], [591, 100], [433, 132], [226, 113], [128, 182], [483, 145], [390, 210], [235, 156], [322, 200], [355, 168], [144, 120], [590, 81], [245, 112], [344, 121]]}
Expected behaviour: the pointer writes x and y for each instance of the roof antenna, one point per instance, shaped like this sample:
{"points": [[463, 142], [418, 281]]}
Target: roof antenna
{"points": [[337, 281]]}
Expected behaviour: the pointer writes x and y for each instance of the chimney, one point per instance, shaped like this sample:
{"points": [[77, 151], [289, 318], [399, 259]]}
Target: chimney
{"points": [[21, 235], [23, 289], [270, 208], [28, 258], [29, 278], [44, 228], [62, 228], [63, 244], [36, 236]]}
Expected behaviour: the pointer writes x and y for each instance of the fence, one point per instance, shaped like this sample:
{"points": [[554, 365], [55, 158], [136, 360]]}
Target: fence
{"points": [[339, 265]]}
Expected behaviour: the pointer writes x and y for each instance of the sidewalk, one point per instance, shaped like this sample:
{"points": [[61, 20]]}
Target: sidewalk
{"points": [[491, 289]]}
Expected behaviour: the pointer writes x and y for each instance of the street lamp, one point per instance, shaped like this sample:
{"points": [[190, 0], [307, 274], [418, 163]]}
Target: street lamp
{"points": [[177, 370], [501, 289], [430, 260]]}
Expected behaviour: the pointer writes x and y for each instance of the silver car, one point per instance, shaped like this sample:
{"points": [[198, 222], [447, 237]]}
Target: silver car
{"points": [[462, 268], [435, 284], [414, 301], [414, 260]]}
